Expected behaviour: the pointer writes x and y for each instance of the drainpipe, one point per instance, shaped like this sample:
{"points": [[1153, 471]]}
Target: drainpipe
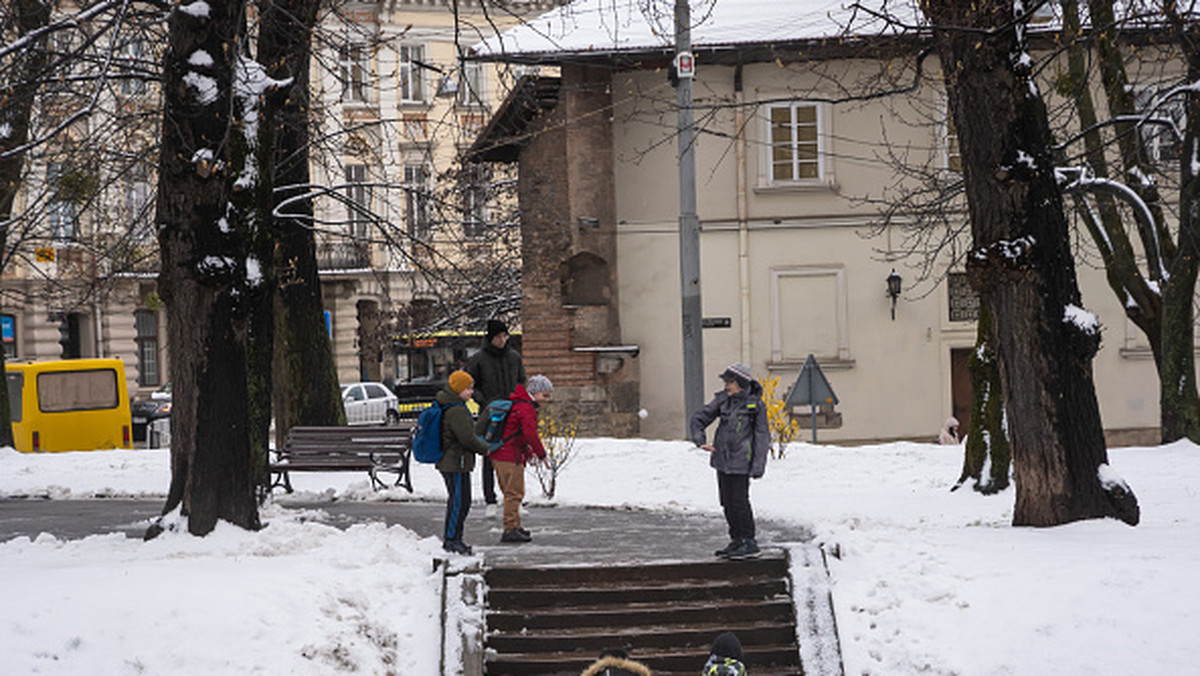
{"points": [[743, 230], [99, 327]]}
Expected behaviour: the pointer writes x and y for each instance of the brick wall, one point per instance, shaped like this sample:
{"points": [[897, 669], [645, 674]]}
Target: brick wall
{"points": [[567, 201]]}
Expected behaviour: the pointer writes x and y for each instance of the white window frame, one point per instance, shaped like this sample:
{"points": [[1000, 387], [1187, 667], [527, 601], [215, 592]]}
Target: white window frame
{"points": [[950, 146], [1157, 139], [354, 68], [61, 215], [414, 86], [841, 307], [418, 184], [358, 192], [472, 88], [769, 143], [136, 198], [134, 51], [475, 198]]}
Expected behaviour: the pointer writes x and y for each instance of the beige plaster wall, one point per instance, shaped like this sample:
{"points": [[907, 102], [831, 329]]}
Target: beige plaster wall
{"points": [[892, 377]]}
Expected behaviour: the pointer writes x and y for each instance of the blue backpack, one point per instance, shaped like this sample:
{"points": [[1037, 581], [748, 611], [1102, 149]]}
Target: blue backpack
{"points": [[492, 419], [427, 437]]}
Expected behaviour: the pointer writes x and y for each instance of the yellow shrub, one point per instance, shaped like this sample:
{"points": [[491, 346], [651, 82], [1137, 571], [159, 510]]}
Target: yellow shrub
{"points": [[784, 428], [558, 438]]}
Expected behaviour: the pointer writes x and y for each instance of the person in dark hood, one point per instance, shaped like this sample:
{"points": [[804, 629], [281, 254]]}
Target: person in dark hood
{"points": [[725, 658], [738, 453], [497, 370]]}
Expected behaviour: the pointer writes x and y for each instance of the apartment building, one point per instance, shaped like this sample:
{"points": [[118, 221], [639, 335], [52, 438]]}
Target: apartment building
{"points": [[394, 106]]}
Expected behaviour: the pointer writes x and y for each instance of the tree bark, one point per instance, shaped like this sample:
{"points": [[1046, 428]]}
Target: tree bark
{"points": [[305, 378], [987, 455], [1024, 270], [1179, 368], [203, 272], [16, 107]]}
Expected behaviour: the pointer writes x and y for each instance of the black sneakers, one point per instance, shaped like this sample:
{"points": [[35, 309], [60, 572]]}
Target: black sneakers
{"points": [[516, 535], [457, 547], [728, 548], [746, 549]]}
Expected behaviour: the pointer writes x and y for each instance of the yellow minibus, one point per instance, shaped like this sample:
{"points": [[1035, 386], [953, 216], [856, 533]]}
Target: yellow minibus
{"points": [[69, 405]]}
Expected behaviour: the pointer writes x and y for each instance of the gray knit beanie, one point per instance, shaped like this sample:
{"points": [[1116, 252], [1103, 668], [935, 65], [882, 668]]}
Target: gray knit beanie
{"points": [[539, 383]]}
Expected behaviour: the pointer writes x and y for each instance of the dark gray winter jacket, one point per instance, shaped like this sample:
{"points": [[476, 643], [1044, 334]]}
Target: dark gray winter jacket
{"points": [[743, 437]]}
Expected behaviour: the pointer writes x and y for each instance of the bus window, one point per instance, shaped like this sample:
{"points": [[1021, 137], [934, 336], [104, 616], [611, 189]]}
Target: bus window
{"points": [[16, 386], [60, 391]]}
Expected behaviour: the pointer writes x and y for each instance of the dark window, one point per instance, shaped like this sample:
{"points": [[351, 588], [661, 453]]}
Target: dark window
{"points": [[147, 347]]}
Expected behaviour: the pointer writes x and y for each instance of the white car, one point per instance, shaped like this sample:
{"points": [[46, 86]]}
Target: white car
{"points": [[370, 404]]}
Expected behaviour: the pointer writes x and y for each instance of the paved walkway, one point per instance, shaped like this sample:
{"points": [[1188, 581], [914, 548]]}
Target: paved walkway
{"points": [[572, 534], [560, 534]]}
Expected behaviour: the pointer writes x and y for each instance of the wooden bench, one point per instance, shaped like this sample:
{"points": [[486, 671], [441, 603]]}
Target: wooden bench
{"points": [[370, 449]]}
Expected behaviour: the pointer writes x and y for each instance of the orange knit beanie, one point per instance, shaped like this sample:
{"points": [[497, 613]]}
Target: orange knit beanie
{"points": [[460, 380]]}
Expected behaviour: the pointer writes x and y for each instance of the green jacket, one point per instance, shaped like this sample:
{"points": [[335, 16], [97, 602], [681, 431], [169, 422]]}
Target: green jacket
{"points": [[459, 443], [496, 372]]}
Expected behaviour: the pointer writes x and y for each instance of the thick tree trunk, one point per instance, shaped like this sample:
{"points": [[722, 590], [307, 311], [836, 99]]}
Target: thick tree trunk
{"points": [[987, 458], [305, 378], [254, 159], [1179, 370], [203, 271], [1024, 270], [17, 106]]}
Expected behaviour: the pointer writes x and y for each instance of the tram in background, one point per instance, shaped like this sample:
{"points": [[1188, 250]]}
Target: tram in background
{"points": [[424, 363]]}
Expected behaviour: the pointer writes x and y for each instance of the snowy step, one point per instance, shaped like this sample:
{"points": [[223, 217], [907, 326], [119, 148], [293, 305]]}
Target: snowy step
{"points": [[614, 593]]}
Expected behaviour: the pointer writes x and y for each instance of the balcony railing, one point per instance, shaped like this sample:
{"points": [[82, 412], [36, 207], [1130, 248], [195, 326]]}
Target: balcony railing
{"points": [[343, 255]]}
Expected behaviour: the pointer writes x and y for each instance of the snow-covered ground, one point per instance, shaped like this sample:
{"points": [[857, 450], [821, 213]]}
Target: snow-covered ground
{"points": [[928, 581]]}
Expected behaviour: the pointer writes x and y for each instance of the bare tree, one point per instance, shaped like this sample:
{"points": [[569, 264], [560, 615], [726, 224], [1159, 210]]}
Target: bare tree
{"points": [[1023, 269], [303, 386], [1113, 202]]}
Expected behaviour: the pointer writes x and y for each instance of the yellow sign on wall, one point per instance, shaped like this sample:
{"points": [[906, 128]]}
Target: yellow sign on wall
{"points": [[43, 255]]}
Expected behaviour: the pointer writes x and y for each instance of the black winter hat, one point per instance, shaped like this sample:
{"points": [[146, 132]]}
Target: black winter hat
{"points": [[494, 327], [727, 644]]}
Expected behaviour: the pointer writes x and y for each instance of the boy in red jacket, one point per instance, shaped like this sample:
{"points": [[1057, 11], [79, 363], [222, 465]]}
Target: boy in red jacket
{"points": [[521, 443]]}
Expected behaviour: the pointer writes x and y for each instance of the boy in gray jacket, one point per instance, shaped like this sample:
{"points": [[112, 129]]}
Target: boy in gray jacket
{"points": [[738, 453]]}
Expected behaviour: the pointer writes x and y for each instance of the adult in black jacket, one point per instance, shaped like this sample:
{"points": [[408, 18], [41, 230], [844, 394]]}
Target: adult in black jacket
{"points": [[497, 370]]}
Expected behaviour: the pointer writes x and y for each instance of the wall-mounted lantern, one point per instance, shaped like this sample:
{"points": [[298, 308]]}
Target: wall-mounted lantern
{"points": [[893, 290]]}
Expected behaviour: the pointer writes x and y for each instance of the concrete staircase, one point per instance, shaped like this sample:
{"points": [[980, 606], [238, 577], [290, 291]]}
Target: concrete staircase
{"points": [[557, 619]]}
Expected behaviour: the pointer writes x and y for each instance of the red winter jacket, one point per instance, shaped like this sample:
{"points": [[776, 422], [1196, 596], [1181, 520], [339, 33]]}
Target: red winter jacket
{"points": [[521, 426]]}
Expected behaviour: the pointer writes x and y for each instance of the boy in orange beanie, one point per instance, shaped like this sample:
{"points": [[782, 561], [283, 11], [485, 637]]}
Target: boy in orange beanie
{"points": [[459, 448]]}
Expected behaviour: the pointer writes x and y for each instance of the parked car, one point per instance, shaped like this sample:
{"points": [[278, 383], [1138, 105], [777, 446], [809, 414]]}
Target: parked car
{"points": [[146, 411], [370, 404]]}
